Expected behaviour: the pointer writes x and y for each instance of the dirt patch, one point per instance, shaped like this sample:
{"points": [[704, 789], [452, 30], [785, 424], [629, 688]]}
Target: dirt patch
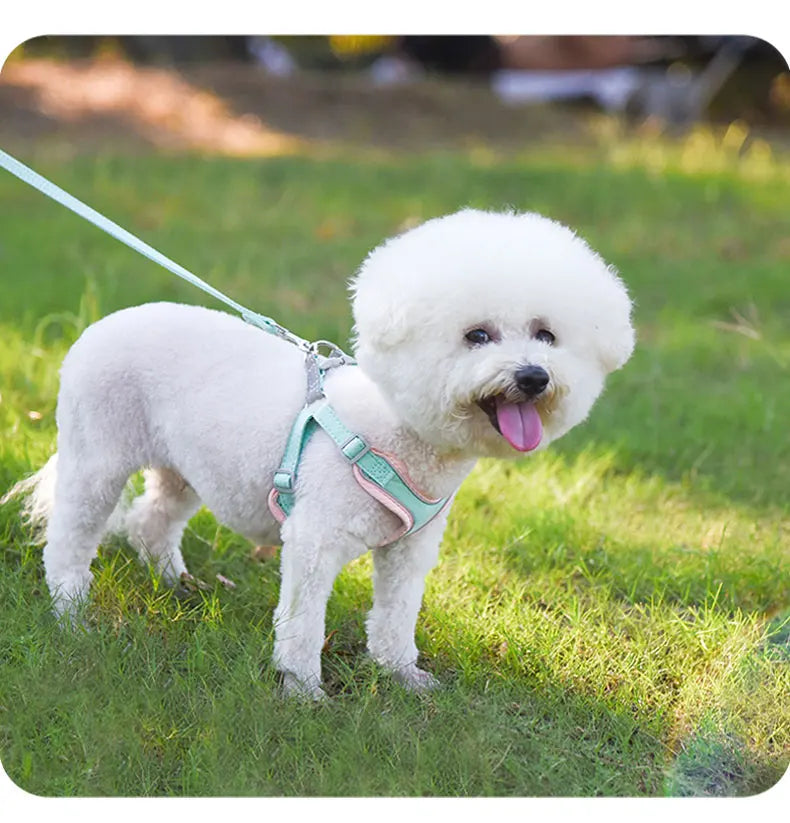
{"points": [[117, 101], [238, 109]]}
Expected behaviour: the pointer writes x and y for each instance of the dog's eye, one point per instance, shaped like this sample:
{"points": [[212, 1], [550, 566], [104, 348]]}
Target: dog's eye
{"points": [[478, 337], [545, 336]]}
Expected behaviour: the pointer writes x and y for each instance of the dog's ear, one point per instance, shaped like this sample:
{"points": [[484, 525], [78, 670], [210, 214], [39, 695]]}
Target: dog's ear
{"points": [[614, 334], [615, 345], [378, 322], [382, 318]]}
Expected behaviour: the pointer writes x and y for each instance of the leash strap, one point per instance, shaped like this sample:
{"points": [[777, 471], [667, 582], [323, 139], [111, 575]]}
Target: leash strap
{"points": [[27, 175]]}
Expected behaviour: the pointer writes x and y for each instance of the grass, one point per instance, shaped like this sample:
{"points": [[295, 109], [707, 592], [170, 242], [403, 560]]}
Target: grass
{"points": [[609, 618]]}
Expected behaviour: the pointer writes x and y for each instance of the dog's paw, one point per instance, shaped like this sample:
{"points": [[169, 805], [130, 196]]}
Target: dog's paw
{"points": [[71, 613], [293, 687], [416, 679], [74, 620]]}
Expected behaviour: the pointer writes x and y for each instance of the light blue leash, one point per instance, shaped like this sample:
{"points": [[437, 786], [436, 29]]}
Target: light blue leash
{"points": [[316, 412], [35, 180]]}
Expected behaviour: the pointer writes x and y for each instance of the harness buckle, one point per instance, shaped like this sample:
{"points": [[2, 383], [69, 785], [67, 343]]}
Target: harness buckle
{"points": [[283, 481], [354, 449], [335, 355]]}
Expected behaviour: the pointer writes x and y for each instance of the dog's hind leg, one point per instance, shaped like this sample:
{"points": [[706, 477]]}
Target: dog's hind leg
{"points": [[156, 521], [85, 495]]}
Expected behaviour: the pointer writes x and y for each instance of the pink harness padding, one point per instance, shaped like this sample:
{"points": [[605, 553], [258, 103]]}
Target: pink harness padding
{"points": [[389, 502], [274, 507]]}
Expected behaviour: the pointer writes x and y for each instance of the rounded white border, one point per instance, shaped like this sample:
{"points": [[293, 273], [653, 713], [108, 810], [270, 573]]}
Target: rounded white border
{"points": [[24, 20]]}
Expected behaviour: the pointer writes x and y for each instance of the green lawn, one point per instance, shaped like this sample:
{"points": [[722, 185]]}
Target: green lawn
{"points": [[608, 618]]}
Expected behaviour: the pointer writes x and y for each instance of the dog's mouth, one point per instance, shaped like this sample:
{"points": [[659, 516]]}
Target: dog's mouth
{"points": [[518, 423]]}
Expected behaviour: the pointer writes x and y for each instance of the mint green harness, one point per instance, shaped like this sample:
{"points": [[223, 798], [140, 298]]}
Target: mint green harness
{"points": [[375, 472]]}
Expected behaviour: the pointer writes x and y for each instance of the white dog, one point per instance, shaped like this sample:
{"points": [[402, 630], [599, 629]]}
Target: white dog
{"points": [[477, 334]]}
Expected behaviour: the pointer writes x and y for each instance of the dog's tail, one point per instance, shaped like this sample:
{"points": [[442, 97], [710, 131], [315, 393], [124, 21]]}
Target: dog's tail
{"points": [[39, 492]]}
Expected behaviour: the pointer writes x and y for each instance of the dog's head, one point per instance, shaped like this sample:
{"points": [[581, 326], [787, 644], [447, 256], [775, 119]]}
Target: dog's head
{"points": [[490, 334]]}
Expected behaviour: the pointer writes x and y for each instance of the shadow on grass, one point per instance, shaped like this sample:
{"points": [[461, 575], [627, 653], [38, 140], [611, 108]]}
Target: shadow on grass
{"points": [[634, 574]]}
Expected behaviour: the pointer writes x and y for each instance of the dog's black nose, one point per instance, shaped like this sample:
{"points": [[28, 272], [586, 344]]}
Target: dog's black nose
{"points": [[532, 380]]}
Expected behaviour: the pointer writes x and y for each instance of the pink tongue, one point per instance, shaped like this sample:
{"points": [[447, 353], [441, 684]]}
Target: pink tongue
{"points": [[520, 424]]}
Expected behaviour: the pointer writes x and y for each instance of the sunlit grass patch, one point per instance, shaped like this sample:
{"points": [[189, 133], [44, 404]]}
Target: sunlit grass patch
{"points": [[704, 149]]}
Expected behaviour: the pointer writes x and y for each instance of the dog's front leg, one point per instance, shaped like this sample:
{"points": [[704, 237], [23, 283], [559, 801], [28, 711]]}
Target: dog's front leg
{"points": [[309, 565], [399, 574]]}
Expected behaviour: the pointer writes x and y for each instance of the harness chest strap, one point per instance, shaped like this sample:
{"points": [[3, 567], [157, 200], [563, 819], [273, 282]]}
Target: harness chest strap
{"points": [[374, 472]]}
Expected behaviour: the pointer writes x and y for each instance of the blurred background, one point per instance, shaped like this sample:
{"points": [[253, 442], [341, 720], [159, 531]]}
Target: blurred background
{"points": [[249, 95]]}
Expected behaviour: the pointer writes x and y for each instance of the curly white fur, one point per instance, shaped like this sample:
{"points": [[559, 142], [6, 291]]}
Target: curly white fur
{"points": [[205, 402]]}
